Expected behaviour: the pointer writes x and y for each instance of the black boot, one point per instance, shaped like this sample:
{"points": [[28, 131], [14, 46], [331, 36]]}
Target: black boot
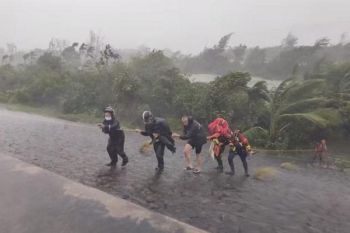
{"points": [[160, 167], [125, 161], [230, 162], [112, 163], [220, 169], [232, 173], [246, 170]]}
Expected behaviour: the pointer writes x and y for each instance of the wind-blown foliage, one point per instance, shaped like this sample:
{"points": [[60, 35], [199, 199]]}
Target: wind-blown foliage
{"points": [[294, 102], [85, 77]]}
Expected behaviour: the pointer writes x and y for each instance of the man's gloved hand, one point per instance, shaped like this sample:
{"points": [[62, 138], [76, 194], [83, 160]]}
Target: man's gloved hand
{"points": [[216, 141], [248, 147]]}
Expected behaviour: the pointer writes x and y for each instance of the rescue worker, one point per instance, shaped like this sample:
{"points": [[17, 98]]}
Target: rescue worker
{"points": [[159, 131], [239, 145], [116, 139], [319, 150], [195, 134], [218, 129]]}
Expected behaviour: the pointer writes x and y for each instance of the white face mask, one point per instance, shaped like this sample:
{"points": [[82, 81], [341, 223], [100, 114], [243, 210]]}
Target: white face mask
{"points": [[108, 118]]}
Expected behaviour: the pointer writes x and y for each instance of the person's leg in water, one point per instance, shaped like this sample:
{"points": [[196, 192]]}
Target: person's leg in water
{"points": [[122, 154], [320, 161], [231, 155], [198, 168], [243, 157], [112, 152], [187, 154], [218, 158], [120, 149], [169, 143], [315, 157], [159, 148]]}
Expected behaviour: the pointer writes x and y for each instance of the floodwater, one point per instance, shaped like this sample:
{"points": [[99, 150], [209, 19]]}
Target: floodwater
{"points": [[309, 200]]}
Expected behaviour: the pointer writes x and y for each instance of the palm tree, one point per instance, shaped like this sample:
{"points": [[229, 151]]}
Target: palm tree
{"points": [[297, 101]]}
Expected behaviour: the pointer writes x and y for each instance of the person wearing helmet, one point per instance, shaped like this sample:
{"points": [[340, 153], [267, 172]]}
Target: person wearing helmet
{"points": [[239, 145], [159, 131], [116, 139], [195, 134]]}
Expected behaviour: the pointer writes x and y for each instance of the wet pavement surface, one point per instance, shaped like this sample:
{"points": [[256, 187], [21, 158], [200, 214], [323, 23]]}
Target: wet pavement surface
{"points": [[309, 200], [35, 200]]}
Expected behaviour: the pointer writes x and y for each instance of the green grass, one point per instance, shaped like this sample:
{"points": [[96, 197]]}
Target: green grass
{"points": [[265, 173], [51, 112], [289, 166]]}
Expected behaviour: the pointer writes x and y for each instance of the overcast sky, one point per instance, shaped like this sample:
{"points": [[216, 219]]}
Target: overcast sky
{"points": [[186, 25]]}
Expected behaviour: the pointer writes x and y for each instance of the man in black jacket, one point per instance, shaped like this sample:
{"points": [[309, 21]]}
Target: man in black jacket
{"points": [[116, 140], [160, 133], [196, 136]]}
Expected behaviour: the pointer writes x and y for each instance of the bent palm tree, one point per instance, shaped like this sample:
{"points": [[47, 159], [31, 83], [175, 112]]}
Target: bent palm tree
{"points": [[295, 101]]}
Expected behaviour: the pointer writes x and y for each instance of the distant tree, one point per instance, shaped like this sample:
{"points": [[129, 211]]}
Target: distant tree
{"points": [[256, 61], [290, 41], [322, 42]]}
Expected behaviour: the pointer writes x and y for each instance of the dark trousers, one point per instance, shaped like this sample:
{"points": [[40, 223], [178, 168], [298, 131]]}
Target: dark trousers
{"points": [[242, 155], [318, 154], [159, 148], [115, 148], [219, 157], [168, 142]]}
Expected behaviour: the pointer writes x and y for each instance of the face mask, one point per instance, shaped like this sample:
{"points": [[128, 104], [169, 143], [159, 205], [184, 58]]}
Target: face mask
{"points": [[108, 118]]}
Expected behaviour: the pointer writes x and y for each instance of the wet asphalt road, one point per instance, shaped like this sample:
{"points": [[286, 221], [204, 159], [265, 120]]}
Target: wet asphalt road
{"points": [[310, 200]]}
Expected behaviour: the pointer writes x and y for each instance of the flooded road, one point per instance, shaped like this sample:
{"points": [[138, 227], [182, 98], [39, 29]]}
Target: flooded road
{"points": [[310, 200]]}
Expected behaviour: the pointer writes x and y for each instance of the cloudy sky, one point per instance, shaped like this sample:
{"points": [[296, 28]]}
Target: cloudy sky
{"points": [[186, 25]]}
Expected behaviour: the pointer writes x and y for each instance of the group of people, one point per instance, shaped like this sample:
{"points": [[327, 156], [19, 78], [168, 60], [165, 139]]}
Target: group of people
{"points": [[159, 131]]}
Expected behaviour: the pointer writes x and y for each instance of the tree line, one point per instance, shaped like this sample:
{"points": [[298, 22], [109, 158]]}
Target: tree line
{"points": [[85, 77]]}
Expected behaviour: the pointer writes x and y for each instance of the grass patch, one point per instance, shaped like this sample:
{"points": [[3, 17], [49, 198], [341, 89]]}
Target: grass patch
{"points": [[265, 173], [55, 113], [289, 166], [347, 171]]}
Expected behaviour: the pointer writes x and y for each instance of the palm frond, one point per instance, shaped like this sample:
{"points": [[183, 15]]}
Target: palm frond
{"points": [[259, 92], [284, 127], [308, 104], [302, 90], [256, 132], [322, 118], [282, 87], [260, 85], [341, 96]]}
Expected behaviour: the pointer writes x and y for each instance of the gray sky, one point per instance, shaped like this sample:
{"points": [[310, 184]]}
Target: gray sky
{"points": [[186, 25]]}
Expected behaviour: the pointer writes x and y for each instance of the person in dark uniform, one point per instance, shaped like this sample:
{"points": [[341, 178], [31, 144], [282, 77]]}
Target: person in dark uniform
{"points": [[116, 139], [159, 131], [239, 145], [196, 136]]}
